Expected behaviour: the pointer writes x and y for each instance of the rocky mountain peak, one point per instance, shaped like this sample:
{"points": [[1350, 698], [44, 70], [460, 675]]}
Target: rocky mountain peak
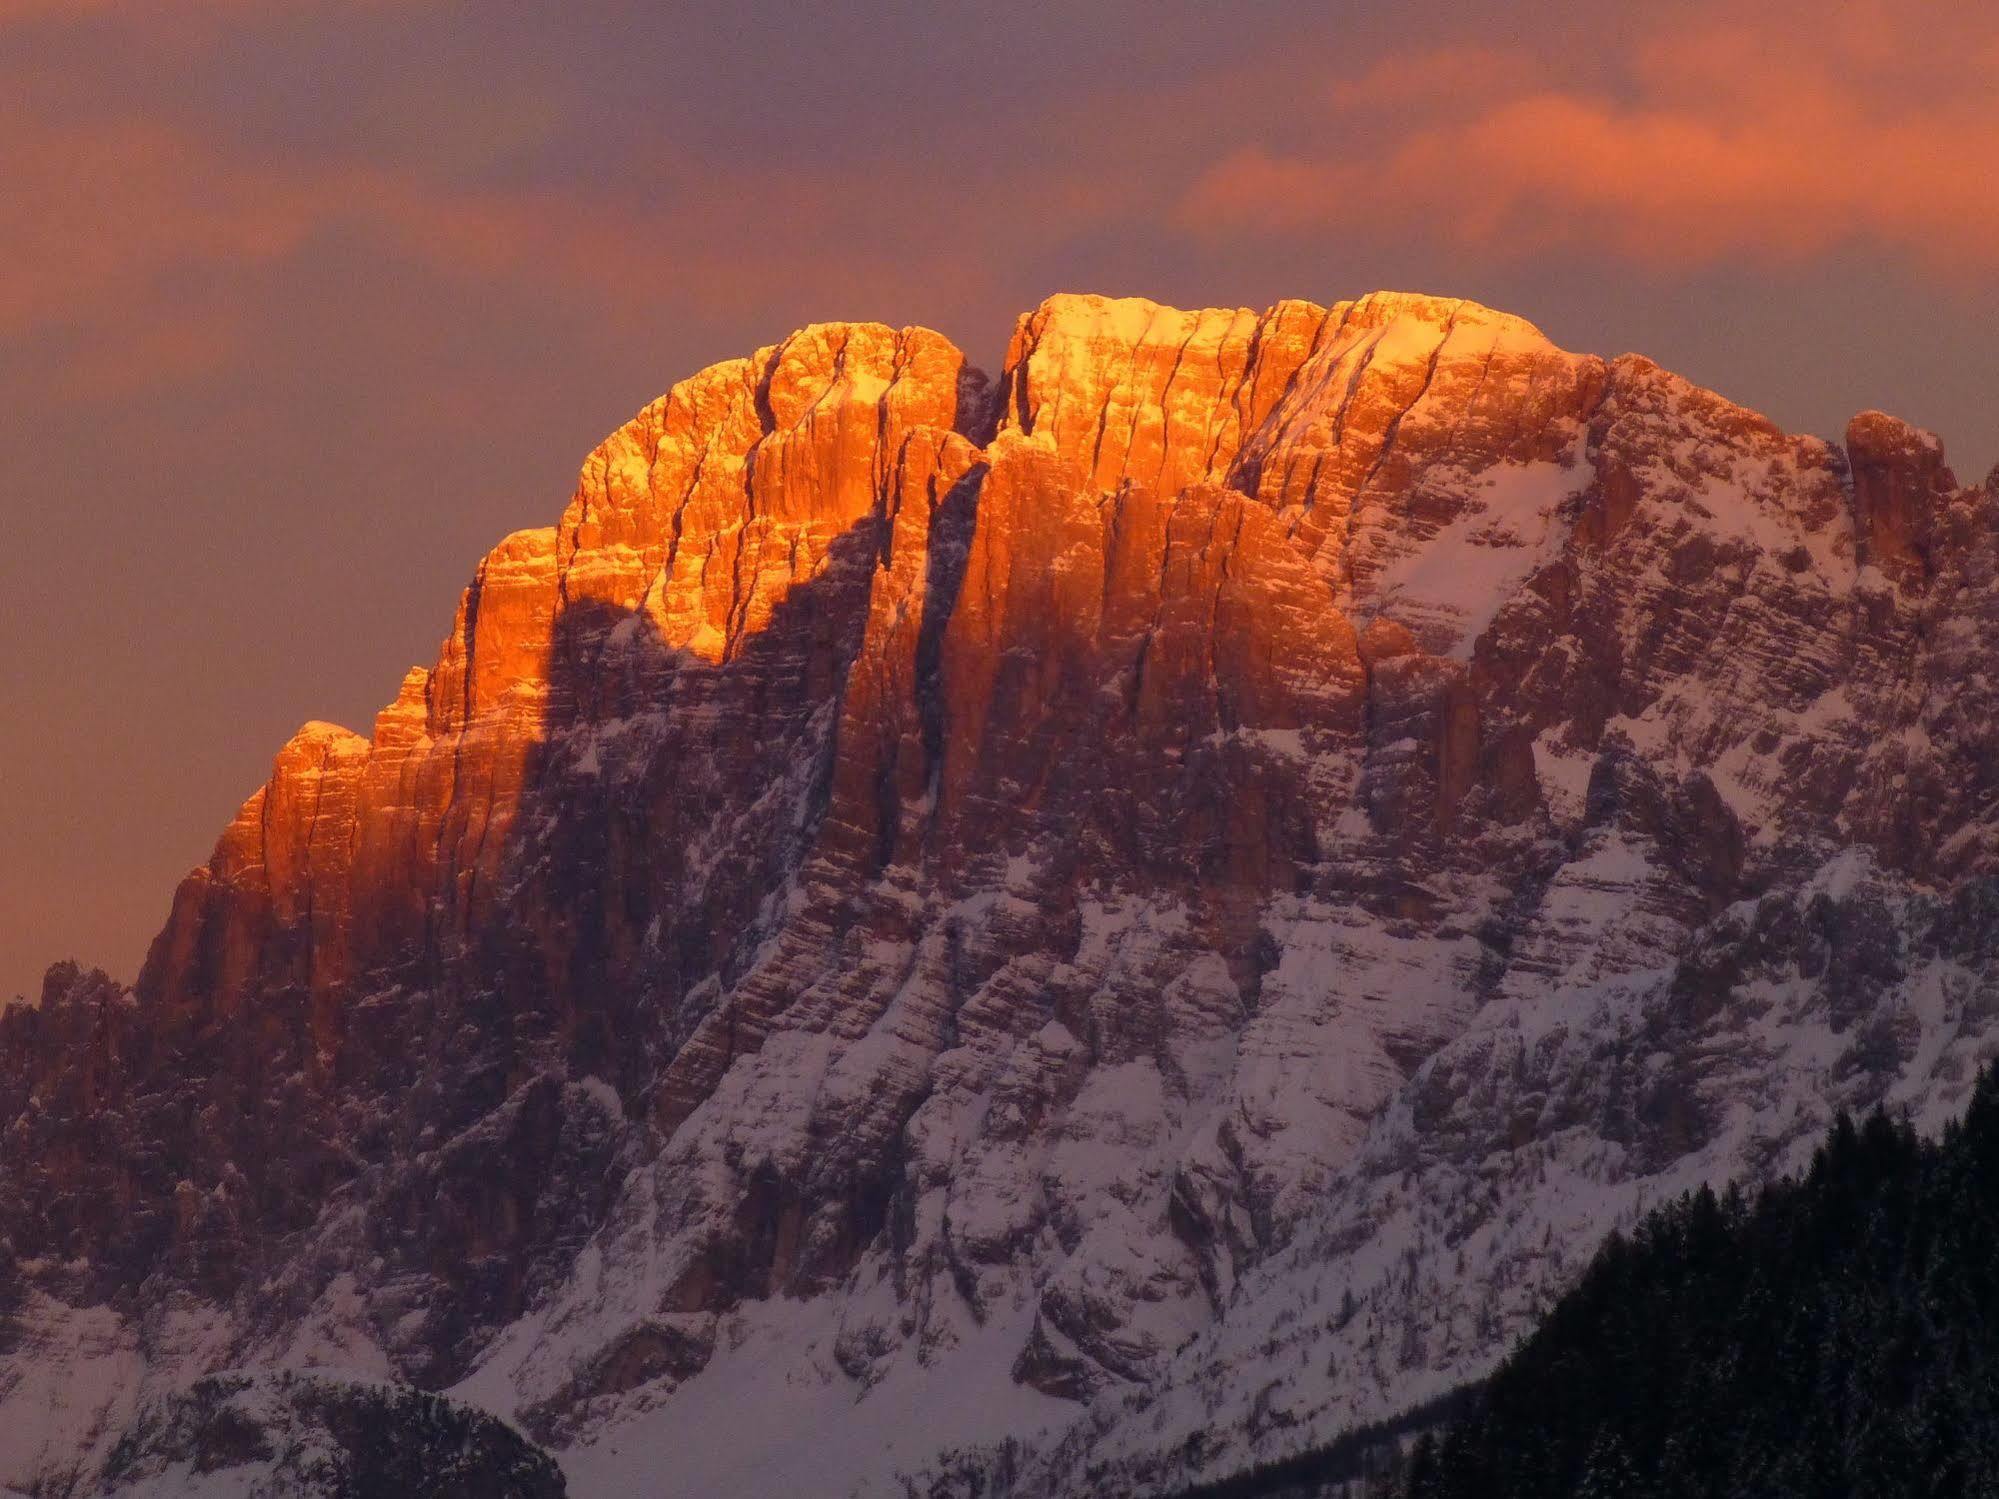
{"points": [[1253, 830]]}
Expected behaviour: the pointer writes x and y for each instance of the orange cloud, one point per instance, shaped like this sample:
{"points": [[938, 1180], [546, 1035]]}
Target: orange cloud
{"points": [[97, 210], [1448, 78], [178, 346], [108, 214], [125, 241], [1761, 138], [102, 215]]}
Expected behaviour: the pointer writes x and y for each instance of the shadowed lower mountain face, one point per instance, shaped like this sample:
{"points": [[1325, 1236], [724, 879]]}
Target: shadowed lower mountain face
{"points": [[1154, 905]]}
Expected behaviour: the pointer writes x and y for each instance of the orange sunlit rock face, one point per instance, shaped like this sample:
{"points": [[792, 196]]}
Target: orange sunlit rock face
{"points": [[691, 525], [1900, 482], [1165, 498], [786, 845]]}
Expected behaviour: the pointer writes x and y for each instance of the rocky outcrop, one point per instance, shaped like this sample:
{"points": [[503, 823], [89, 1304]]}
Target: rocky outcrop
{"points": [[288, 1436], [1899, 483], [940, 881]]}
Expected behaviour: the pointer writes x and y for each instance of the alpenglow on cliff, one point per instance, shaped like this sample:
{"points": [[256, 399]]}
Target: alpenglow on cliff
{"points": [[1150, 908]]}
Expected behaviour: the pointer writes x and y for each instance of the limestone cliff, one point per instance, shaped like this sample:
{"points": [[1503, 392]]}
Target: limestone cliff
{"points": [[935, 874]]}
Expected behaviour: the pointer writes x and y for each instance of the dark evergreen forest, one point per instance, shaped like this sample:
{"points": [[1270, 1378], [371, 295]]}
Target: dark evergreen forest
{"points": [[1831, 1335]]}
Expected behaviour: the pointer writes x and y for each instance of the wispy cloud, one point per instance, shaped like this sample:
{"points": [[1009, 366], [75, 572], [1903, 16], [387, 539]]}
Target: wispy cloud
{"points": [[107, 215], [1770, 134]]}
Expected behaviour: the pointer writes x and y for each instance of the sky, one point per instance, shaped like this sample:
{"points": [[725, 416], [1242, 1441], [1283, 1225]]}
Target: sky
{"points": [[305, 303]]}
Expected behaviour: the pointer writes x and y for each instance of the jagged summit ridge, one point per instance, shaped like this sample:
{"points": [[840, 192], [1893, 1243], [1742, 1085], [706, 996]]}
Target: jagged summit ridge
{"points": [[617, 520], [995, 886], [620, 520]]}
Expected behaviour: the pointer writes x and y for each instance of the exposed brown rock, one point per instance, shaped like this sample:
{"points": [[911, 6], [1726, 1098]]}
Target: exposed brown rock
{"points": [[1899, 482]]}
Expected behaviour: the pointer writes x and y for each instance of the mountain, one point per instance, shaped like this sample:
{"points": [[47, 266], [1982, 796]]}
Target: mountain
{"points": [[1090, 928]]}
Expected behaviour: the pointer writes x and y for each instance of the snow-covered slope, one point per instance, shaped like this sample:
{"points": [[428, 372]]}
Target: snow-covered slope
{"points": [[1119, 918]]}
